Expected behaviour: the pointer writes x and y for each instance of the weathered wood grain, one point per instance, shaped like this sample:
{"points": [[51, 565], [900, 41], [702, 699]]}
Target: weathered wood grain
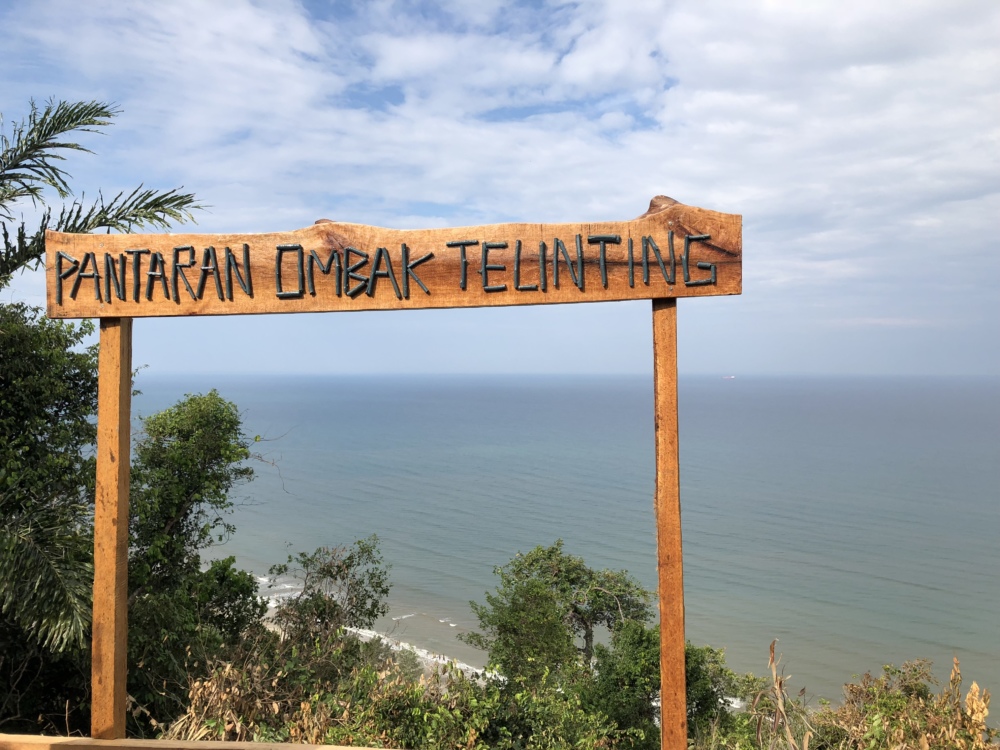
{"points": [[110, 630], [333, 266], [670, 573]]}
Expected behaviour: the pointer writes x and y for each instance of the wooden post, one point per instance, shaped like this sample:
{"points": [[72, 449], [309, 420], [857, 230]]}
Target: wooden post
{"points": [[114, 400], [673, 704]]}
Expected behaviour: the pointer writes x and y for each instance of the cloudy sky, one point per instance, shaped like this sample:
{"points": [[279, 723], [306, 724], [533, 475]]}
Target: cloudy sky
{"points": [[860, 141]]}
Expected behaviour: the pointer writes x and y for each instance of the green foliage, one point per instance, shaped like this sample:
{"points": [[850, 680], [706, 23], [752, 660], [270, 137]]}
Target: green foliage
{"points": [[899, 709], [626, 682], [378, 706], [48, 388], [228, 599], [30, 162], [543, 715], [525, 631], [538, 590], [48, 395], [711, 685], [29, 157], [41, 691], [318, 683], [341, 587], [184, 466], [548, 601]]}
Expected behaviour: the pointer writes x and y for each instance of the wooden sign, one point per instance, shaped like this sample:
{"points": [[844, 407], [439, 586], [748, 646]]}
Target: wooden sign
{"points": [[671, 251]]}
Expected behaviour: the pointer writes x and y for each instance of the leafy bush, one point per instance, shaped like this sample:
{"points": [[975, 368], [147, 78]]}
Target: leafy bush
{"points": [[898, 709], [341, 587]]}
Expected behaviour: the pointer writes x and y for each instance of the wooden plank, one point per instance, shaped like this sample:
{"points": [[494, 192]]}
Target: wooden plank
{"points": [[672, 250], [114, 397], [33, 742], [670, 573]]}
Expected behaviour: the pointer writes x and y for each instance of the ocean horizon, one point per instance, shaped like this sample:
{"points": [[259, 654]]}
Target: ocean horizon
{"points": [[854, 519]]}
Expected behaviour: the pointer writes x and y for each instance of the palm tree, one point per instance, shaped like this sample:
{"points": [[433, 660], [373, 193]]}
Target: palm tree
{"points": [[48, 386], [30, 162]]}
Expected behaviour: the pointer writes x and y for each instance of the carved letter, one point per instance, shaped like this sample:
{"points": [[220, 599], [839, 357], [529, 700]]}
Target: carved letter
{"points": [[408, 267], [332, 263], [210, 266], [485, 267], [688, 239], [157, 270], [560, 247], [89, 259], [349, 272], [517, 271], [300, 289], [178, 271], [111, 276], [463, 261], [62, 275], [136, 271], [647, 245], [603, 240], [380, 254], [246, 283]]}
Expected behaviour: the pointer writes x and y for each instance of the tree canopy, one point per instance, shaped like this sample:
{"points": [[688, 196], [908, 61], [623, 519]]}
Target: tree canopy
{"points": [[48, 376], [48, 400], [547, 601], [184, 466], [48, 389]]}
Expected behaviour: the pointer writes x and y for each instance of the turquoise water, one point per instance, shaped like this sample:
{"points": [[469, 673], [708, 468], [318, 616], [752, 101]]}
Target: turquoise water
{"points": [[853, 519]]}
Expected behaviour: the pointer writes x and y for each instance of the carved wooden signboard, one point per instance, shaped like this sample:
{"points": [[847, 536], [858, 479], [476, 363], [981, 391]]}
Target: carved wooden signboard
{"points": [[671, 251], [674, 251]]}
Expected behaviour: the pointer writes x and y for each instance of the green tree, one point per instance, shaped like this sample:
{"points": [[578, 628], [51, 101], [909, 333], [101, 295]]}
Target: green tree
{"points": [[48, 393], [184, 465], [48, 388], [524, 631], [626, 682], [342, 587], [49, 380], [540, 621], [186, 462], [583, 598]]}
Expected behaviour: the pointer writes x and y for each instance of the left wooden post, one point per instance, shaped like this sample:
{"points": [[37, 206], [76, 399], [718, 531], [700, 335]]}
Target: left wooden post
{"points": [[110, 626]]}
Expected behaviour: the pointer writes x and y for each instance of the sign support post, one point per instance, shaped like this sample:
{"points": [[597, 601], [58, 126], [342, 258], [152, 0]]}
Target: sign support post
{"points": [[667, 503], [110, 628]]}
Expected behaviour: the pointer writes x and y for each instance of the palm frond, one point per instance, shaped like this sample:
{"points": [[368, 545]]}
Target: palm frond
{"points": [[21, 251], [46, 577], [29, 163], [29, 157], [139, 209]]}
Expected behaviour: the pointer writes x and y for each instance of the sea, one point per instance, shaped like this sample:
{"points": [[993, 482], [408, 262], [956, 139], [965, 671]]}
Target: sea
{"points": [[855, 520]]}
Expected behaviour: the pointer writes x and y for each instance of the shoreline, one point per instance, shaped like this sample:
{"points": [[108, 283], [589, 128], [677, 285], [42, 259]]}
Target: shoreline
{"points": [[429, 660]]}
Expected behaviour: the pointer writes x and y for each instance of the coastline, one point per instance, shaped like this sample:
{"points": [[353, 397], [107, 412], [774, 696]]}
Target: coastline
{"points": [[429, 660]]}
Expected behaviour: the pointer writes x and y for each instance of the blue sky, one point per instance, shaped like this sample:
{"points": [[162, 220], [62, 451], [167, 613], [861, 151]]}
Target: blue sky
{"points": [[860, 141]]}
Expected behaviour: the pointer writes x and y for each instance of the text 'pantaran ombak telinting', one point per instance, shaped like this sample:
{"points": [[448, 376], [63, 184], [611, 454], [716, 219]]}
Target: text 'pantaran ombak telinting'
{"points": [[674, 251]]}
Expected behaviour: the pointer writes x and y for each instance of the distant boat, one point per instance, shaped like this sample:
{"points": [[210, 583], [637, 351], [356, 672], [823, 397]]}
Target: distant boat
{"points": [[729, 377]]}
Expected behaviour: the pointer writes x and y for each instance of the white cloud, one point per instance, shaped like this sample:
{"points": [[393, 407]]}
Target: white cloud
{"points": [[856, 138]]}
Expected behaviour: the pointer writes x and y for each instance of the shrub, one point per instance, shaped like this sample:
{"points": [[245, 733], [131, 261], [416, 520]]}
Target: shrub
{"points": [[898, 709]]}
